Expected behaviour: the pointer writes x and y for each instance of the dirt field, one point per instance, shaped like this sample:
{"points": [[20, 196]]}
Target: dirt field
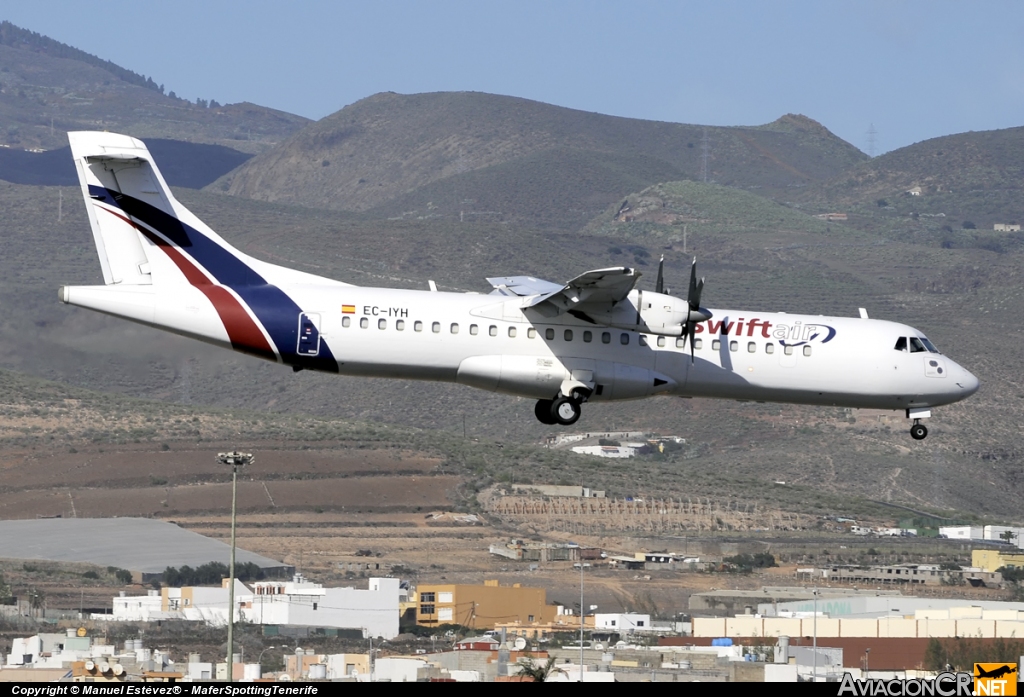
{"points": [[341, 513]]}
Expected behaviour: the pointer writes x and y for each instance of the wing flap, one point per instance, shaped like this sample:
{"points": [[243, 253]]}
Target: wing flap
{"points": [[598, 289]]}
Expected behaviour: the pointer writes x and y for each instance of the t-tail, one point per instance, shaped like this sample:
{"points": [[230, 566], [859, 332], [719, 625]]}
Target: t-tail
{"points": [[164, 267]]}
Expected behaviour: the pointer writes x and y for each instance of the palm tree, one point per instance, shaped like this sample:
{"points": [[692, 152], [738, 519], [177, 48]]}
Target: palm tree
{"points": [[37, 600], [539, 672]]}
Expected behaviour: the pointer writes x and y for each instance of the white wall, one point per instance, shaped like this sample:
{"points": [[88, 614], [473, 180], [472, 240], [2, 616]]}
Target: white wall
{"points": [[622, 622], [374, 610]]}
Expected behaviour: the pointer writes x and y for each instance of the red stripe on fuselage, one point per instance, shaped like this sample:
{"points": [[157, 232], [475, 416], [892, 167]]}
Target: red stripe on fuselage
{"points": [[242, 331]]}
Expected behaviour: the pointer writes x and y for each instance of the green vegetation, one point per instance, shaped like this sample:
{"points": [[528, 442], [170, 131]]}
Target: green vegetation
{"points": [[746, 563], [211, 574], [704, 209], [6, 597], [961, 653]]}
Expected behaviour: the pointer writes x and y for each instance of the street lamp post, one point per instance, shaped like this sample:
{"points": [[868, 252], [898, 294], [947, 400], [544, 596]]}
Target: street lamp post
{"points": [[259, 660], [582, 612], [234, 460], [814, 677]]}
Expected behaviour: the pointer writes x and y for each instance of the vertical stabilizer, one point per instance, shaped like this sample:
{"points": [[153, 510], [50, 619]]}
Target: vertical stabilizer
{"points": [[110, 165]]}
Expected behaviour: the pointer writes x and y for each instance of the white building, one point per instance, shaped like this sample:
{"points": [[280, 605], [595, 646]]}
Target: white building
{"points": [[611, 451], [624, 623], [1000, 533], [140, 608], [962, 532], [993, 533], [302, 603], [297, 602]]}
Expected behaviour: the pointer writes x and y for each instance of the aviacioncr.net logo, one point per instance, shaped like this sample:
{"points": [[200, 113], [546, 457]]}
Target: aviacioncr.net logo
{"points": [[945, 685]]}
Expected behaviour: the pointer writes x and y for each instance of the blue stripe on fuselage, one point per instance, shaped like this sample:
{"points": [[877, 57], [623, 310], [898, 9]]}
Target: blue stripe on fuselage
{"points": [[275, 310]]}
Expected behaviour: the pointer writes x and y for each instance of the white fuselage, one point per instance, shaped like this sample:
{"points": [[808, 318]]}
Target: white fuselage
{"points": [[487, 341]]}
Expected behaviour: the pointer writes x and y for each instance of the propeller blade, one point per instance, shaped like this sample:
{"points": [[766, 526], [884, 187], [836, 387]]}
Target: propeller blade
{"points": [[659, 285], [693, 301], [692, 291]]}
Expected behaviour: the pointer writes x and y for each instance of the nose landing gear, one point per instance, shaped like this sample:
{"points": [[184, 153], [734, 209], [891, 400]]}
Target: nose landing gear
{"points": [[918, 430]]}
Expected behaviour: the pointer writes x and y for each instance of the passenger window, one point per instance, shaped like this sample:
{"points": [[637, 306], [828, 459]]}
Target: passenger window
{"points": [[455, 327], [400, 325], [716, 344], [642, 339], [382, 324], [697, 343], [624, 339], [751, 347], [734, 346], [549, 334], [769, 348], [474, 330], [531, 333], [492, 330], [901, 343], [364, 323], [789, 350], [661, 342], [511, 332], [568, 335], [417, 326], [680, 342], [916, 346], [436, 327], [606, 337], [346, 321], [588, 336], [807, 350]]}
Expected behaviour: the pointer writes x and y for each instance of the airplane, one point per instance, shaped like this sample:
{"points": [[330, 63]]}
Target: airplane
{"points": [[998, 672], [596, 338]]}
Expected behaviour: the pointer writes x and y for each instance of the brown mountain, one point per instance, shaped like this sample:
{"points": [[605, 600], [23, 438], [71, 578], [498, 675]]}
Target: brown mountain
{"points": [[47, 88], [387, 147], [950, 191]]}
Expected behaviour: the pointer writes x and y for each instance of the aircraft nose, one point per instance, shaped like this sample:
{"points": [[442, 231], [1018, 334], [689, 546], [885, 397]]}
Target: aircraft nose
{"points": [[967, 382]]}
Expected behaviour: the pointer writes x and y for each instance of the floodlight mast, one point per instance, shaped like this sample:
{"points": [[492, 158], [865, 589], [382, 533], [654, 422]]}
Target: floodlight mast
{"points": [[234, 460]]}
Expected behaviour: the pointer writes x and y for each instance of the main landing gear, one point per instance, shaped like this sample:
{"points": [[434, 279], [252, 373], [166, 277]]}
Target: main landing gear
{"points": [[918, 430], [561, 411]]}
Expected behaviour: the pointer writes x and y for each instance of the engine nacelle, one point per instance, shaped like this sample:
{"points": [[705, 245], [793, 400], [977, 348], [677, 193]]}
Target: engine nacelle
{"points": [[648, 312]]}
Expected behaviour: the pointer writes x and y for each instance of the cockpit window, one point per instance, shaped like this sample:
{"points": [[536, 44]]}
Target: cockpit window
{"points": [[915, 344]]}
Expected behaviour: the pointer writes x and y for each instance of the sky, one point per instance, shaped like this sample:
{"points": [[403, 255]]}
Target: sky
{"points": [[907, 70]]}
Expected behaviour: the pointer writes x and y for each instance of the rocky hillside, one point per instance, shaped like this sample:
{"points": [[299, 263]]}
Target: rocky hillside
{"points": [[458, 153]]}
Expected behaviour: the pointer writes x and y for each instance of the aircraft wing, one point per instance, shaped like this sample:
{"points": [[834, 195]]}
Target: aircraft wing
{"points": [[598, 289]]}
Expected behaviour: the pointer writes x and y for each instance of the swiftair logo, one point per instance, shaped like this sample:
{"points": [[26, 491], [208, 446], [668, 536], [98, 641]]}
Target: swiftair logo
{"points": [[944, 685], [995, 678]]}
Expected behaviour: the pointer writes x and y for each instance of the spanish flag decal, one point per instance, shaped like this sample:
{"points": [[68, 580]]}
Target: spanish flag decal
{"points": [[348, 309]]}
